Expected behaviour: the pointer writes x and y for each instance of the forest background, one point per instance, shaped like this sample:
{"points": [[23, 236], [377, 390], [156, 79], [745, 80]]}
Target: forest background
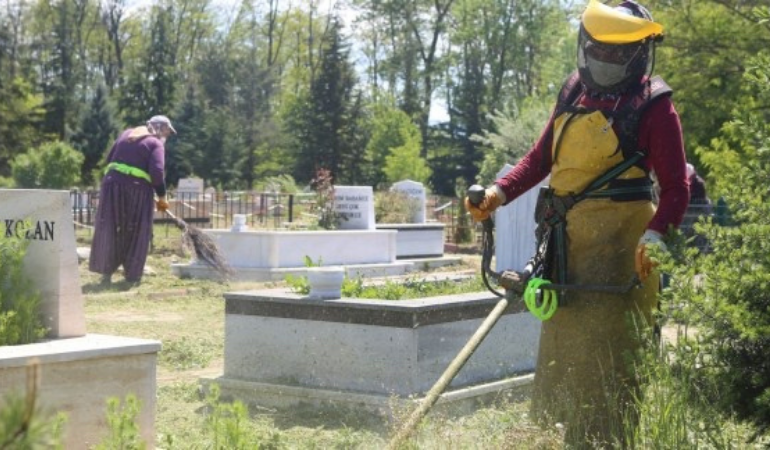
{"points": [[260, 90]]}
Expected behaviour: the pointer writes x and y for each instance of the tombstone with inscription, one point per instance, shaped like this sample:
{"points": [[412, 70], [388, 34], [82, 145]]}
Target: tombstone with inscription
{"points": [[416, 191], [78, 371], [189, 188], [189, 201], [45, 218], [355, 204], [515, 229]]}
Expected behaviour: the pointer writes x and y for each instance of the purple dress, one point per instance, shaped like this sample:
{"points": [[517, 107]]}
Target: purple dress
{"points": [[123, 227]]}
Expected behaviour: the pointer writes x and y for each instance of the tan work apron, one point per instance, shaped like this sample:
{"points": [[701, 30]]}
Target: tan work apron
{"points": [[583, 376]]}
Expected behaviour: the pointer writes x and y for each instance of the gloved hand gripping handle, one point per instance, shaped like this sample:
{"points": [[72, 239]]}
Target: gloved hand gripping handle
{"points": [[475, 195]]}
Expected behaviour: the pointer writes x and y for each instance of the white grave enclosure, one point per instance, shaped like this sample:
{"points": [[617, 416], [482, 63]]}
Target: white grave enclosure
{"points": [[78, 372], [271, 255], [515, 229]]}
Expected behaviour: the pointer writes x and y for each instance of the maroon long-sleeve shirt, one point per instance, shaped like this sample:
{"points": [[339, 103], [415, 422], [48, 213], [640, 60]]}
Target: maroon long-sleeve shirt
{"points": [[660, 133]]}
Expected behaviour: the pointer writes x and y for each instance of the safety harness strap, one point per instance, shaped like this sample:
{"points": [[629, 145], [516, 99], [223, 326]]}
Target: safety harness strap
{"points": [[554, 211]]}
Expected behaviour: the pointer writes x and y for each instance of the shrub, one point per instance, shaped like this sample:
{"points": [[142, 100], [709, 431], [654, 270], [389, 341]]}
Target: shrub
{"points": [[323, 185], [394, 207], [23, 424], [20, 321], [124, 430], [725, 293], [54, 165]]}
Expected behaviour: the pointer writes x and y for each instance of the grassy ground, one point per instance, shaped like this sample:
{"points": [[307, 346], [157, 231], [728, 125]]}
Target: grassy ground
{"points": [[187, 316]]}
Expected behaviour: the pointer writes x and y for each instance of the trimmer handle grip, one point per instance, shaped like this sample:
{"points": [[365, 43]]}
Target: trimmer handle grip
{"points": [[475, 194]]}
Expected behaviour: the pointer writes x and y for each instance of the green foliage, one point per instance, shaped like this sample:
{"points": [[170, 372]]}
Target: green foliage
{"points": [[20, 111], [20, 321], [124, 430], [394, 207], [300, 284], [395, 289], [54, 165], [673, 410], [394, 148], [150, 83], [404, 163], [693, 29], [323, 185], [724, 292], [97, 130], [323, 120], [410, 288], [280, 183], [24, 425], [229, 426], [516, 132]]}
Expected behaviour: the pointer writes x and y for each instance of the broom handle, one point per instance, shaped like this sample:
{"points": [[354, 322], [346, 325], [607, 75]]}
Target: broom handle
{"points": [[435, 392], [181, 224]]}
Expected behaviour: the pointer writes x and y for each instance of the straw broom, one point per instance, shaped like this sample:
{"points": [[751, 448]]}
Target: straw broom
{"points": [[206, 249]]}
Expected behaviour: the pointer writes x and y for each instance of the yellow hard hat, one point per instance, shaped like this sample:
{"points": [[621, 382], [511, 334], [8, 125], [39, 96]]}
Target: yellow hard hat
{"points": [[607, 24]]}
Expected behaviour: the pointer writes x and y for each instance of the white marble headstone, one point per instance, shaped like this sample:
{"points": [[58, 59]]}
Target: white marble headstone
{"points": [[356, 205], [515, 229], [416, 191], [189, 187], [51, 261]]}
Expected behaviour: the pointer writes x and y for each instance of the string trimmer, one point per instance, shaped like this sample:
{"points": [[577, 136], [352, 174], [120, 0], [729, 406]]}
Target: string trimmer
{"points": [[540, 297], [205, 248]]}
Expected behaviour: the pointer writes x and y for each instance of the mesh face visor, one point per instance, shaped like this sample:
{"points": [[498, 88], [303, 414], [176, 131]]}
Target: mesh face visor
{"points": [[610, 67]]}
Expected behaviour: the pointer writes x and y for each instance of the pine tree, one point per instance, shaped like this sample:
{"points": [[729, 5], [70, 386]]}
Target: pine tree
{"points": [[184, 156], [327, 123], [150, 84], [59, 84], [98, 129]]}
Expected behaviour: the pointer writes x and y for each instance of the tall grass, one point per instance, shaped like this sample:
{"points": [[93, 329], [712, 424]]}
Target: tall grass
{"points": [[673, 408]]}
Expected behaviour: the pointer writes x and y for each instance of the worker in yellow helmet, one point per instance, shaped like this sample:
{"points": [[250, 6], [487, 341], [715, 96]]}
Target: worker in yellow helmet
{"points": [[612, 126]]}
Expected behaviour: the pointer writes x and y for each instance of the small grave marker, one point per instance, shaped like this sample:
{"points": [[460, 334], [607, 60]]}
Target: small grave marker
{"points": [[416, 191]]}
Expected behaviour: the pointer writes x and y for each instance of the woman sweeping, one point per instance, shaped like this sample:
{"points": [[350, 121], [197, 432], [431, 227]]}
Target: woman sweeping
{"points": [[135, 174]]}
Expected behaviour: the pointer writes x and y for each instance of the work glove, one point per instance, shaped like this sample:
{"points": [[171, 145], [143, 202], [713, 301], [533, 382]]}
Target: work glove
{"points": [[161, 204], [493, 198], [644, 264], [515, 281]]}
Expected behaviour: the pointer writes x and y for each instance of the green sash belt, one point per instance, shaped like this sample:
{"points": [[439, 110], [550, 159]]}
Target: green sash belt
{"points": [[129, 170]]}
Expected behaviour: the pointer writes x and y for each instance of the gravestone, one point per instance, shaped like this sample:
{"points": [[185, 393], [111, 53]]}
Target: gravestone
{"points": [[189, 188], [44, 217], [415, 190], [78, 371], [515, 229], [355, 204]]}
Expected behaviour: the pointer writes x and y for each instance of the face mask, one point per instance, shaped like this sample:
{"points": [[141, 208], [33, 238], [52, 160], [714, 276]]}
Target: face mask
{"points": [[606, 73]]}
